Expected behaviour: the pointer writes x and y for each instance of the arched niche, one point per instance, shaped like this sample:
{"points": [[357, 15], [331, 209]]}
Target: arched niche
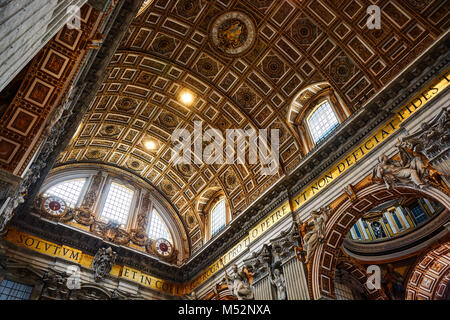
{"points": [[322, 266], [304, 104]]}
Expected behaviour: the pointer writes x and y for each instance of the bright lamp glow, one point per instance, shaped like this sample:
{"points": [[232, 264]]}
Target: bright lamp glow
{"points": [[186, 97], [150, 145]]}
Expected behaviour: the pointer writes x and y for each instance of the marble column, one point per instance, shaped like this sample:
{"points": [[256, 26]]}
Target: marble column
{"points": [[296, 281], [263, 289]]}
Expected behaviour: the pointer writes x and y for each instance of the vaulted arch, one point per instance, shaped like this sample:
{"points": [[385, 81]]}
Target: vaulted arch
{"points": [[322, 267]]}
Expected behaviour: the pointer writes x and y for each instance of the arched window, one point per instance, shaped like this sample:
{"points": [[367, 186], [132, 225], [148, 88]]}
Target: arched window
{"points": [[118, 204], [157, 228], [315, 113], [322, 121], [218, 217], [69, 191]]}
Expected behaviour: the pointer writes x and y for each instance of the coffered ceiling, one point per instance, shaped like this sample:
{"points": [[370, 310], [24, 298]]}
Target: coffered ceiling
{"points": [[246, 62]]}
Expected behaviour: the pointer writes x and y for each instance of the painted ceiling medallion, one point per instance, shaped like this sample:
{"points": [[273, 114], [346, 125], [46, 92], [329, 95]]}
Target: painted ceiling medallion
{"points": [[233, 33]]}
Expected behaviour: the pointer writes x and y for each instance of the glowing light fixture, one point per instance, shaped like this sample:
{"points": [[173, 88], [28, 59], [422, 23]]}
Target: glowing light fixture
{"points": [[186, 97], [150, 144]]}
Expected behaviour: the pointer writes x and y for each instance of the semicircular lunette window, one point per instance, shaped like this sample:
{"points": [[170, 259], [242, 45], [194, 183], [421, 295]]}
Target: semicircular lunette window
{"points": [[394, 218], [157, 228], [69, 191]]}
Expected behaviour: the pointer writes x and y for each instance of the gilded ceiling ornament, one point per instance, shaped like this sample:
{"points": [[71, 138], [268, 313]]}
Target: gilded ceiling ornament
{"points": [[185, 169], [168, 120], [207, 67], [230, 180], [246, 98], [188, 8], [342, 69], [233, 33], [94, 154], [304, 31], [191, 220], [110, 130], [164, 45], [273, 67], [168, 187], [126, 104], [135, 164]]}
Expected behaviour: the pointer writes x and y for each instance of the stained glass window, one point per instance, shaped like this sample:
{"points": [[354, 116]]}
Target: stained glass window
{"points": [[68, 190], [322, 122]]}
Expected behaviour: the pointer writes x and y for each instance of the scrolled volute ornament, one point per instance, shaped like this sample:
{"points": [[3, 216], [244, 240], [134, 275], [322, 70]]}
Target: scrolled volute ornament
{"points": [[110, 231], [84, 216]]}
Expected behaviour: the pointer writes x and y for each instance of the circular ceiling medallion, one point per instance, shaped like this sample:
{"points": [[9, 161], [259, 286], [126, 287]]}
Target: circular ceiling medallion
{"points": [[233, 33]]}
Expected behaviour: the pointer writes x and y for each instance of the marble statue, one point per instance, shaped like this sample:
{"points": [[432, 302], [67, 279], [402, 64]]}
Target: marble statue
{"points": [[277, 279], [315, 236], [239, 284], [412, 168]]}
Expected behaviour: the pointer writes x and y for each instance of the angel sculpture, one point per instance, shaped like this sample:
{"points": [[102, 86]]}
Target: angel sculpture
{"points": [[413, 168], [315, 236], [239, 284], [277, 280]]}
